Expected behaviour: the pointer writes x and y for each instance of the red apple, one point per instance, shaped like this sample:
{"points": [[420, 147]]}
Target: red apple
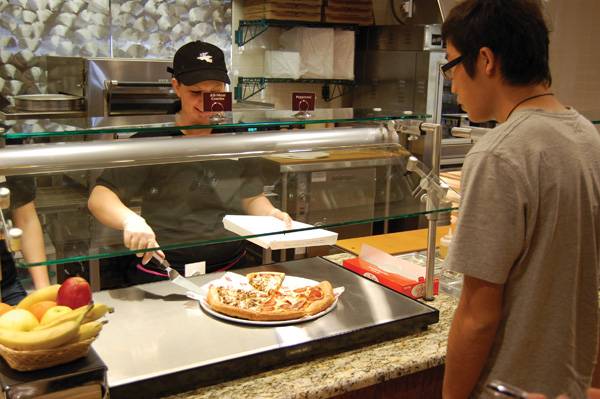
{"points": [[74, 292]]}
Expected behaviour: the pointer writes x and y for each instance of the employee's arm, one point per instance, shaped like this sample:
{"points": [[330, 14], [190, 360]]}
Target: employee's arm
{"points": [[108, 208], [471, 336], [32, 243], [261, 206]]}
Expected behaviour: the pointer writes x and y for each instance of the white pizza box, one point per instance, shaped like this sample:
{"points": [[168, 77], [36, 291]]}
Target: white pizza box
{"points": [[246, 225]]}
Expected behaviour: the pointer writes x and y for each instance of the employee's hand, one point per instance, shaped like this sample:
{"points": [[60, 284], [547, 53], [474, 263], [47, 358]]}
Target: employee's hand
{"points": [[137, 235], [279, 214]]}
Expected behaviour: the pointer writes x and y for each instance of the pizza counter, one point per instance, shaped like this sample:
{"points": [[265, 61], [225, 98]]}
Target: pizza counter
{"points": [[371, 371], [159, 342]]}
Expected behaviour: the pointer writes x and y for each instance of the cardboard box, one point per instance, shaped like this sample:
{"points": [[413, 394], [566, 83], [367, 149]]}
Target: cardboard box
{"points": [[283, 10], [397, 282]]}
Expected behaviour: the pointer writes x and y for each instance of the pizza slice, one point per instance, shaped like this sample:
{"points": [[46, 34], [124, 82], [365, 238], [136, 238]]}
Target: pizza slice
{"points": [[268, 282], [310, 299], [248, 305]]}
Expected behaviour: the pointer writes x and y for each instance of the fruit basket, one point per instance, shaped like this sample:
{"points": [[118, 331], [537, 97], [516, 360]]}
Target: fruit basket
{"points": [[28, 360], [51, 326]]}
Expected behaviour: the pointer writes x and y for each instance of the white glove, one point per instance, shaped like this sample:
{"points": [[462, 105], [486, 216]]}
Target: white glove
{"points": [[138, 235], [283, 216]]}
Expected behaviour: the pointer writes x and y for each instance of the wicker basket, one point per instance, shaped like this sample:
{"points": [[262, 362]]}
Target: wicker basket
{"points": [[42, 358]]}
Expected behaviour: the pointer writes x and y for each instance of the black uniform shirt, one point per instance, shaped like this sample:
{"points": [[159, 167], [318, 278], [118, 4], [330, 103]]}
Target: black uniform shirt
{"points": [[22, 192], [186, 202]]}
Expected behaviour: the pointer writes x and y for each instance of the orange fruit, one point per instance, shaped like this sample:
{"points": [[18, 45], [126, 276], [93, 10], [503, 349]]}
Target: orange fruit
{"points": [[39, 308], [4, 307]]}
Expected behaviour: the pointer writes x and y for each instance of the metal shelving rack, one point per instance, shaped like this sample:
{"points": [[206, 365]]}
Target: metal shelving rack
{"points": [[247, 87], [248, 30]]}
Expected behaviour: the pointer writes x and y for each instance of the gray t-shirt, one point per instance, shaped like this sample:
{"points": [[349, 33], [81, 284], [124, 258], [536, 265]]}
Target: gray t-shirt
{"points": [[530, 219]]}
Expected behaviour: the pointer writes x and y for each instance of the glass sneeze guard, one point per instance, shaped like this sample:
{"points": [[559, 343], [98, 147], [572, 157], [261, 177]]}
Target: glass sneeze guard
{"points": [[236, 120], [331, 179]]}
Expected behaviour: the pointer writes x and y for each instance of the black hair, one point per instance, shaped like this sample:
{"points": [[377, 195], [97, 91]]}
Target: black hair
{"points": [[514, 30]]}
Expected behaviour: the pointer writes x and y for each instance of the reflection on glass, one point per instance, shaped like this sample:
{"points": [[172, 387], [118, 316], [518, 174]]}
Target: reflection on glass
{"points": [[236, 120], [344, 190]]}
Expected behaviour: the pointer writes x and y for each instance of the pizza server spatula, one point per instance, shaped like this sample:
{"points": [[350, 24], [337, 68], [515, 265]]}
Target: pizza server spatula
{"points": [[174, 275]]}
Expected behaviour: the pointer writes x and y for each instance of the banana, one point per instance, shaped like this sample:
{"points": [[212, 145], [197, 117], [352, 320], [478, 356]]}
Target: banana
{"points": [[90, 329], [48, 338], [74, 314], [97, 312], [43, 294]]}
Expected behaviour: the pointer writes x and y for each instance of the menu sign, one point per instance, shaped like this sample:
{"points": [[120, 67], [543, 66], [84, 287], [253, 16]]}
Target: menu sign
{"points": [[303, 102], [217, 102]]}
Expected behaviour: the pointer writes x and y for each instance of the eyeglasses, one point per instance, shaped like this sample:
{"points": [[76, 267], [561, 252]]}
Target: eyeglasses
{"points": [[447, 67]]}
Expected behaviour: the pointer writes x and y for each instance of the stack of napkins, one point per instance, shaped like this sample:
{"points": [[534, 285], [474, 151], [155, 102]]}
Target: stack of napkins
{"points": [[245, 225]]}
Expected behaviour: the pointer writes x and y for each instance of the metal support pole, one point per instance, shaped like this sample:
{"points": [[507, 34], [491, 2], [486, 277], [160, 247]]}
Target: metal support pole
{"points": [[435, 192], [430, 270], [284, 201], [433, 203], [436, 130], [388, 189], [95, 282], [267, 257]]}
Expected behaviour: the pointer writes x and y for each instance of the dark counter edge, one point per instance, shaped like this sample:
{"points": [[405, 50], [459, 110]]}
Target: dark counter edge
{"points": [[87, 370]]}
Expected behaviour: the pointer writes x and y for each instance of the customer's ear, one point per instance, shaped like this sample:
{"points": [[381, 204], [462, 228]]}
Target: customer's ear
{"points": [[489, 61]]}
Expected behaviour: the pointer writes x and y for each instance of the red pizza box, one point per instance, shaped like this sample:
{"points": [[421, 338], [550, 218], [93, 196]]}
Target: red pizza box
{"points": [[412, 288]]}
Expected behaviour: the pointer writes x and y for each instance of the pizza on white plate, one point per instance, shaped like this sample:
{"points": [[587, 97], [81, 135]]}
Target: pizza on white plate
{"points": [[268, 303]]}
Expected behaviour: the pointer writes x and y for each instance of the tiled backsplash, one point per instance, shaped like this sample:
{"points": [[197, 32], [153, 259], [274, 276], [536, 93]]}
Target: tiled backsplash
{"points": [[30, 29]]}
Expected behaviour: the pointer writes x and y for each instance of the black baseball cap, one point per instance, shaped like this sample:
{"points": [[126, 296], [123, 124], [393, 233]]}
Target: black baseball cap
{"points": [[199, 61]]}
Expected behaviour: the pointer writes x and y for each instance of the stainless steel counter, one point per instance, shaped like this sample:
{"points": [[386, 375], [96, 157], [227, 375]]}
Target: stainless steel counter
{"points": [[159, 341]]}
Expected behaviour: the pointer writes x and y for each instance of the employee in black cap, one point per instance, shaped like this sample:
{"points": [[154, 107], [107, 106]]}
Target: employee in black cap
{"points": [[183, 203]]}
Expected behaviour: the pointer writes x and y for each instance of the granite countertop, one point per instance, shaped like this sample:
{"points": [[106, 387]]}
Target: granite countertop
{"points": [[344, 372]]}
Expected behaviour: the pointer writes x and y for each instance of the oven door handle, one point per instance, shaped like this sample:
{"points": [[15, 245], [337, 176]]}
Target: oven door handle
{"points": [[117, 83]]}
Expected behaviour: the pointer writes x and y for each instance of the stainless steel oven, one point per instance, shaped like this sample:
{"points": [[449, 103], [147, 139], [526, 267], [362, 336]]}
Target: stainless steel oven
{"points": [[398, 67], [114, 86]]}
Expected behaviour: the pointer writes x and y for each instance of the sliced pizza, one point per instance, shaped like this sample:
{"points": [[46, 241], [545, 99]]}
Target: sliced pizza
{"points": [[268, 282], [283, 304], [315, 298], [251, 305]]}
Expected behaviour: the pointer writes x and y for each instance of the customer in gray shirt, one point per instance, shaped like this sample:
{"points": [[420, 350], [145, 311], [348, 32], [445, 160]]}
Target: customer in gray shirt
{"points": [[528, 233]]}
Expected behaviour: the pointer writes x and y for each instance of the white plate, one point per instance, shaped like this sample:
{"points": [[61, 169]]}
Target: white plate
{"points": [[290, 282]]}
